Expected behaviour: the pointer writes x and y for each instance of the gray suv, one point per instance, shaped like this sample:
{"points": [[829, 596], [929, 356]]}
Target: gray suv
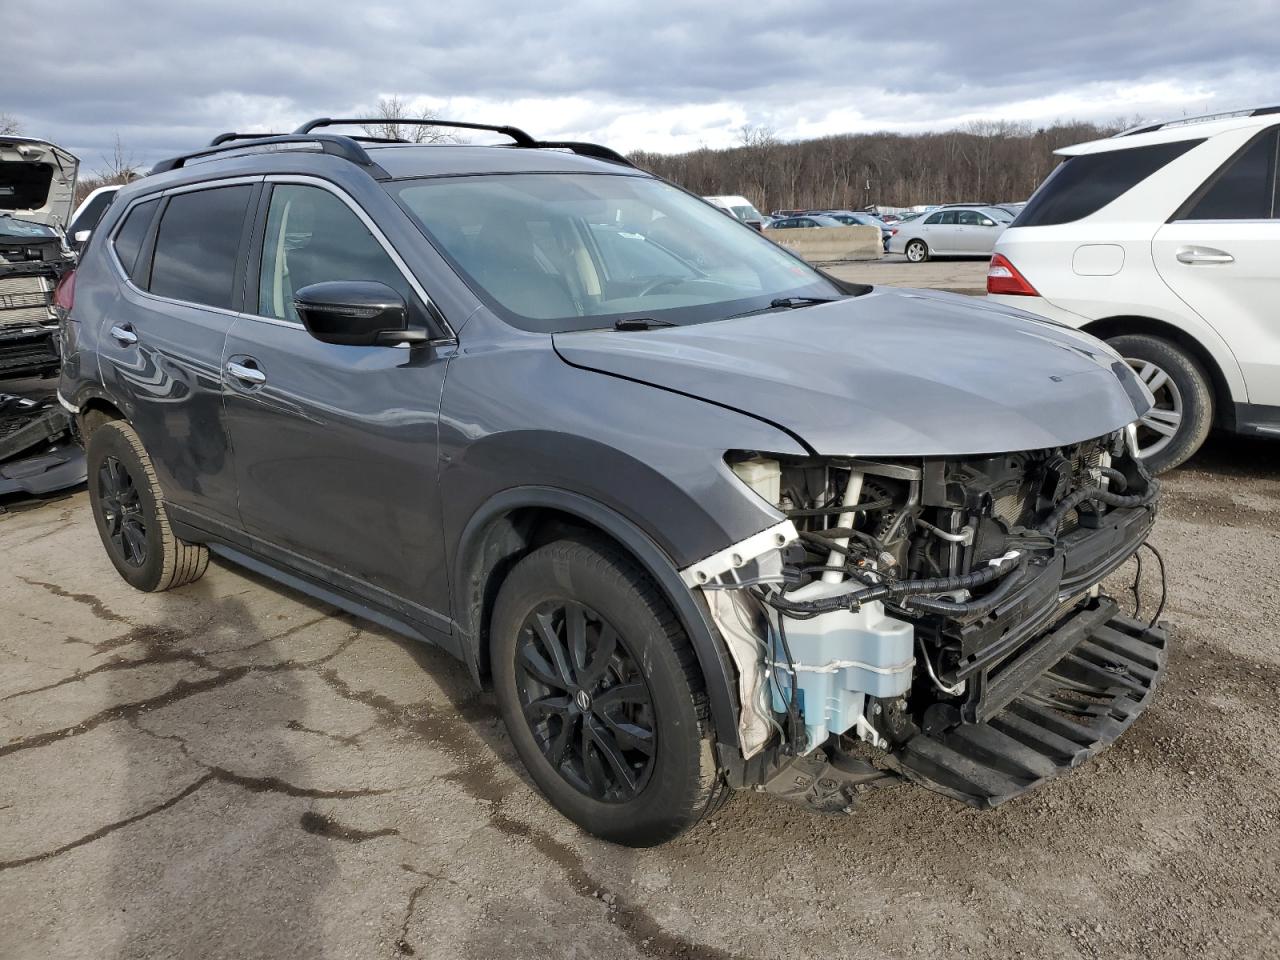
{"points": [[705, 517]]}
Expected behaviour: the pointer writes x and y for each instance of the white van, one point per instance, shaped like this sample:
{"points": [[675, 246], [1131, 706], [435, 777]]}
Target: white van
{"points": [[739, 207]]}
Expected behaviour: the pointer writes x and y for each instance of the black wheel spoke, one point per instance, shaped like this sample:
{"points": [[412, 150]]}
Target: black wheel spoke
{"points": [[135, 539], [634, 692], [554, 645], [554, 706], [560, 743], [607, 642], [629, 735], [575, 625], [608, 748], [594, 766], [536, 666]]}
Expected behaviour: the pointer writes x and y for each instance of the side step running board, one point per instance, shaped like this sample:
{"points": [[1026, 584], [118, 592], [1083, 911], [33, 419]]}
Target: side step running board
{"points": [[1074, 709]]}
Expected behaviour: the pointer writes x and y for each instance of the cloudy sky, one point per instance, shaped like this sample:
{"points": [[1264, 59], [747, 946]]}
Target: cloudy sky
{"points": [[656, 75]]}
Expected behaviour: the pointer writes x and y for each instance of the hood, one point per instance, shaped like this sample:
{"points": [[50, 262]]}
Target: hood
{"points": [[37, 181], [887, 374]]}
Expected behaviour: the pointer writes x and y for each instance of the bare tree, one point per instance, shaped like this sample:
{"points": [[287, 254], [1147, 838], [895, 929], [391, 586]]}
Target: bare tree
{"points": [[391, 111], [121, 166], [988, 160], [9, 124]]}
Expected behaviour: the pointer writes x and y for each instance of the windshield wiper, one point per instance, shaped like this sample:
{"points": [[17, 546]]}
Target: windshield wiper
{"points": [[785, 303], [793, 302], [640, 323]]}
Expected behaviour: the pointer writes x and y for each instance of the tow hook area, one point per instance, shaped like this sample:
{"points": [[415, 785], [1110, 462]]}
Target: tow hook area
{"points": [[826, 784]]}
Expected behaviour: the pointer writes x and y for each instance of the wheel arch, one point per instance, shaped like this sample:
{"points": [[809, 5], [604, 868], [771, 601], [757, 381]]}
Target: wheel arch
{"points": [[94, 412], [517, 520], [1223, 401]]}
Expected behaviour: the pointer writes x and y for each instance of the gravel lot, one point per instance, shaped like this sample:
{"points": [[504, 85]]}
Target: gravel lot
{"points": [[232, 770]]}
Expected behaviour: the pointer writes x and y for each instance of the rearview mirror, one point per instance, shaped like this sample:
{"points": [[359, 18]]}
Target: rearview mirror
{"points": [[358, 313]]}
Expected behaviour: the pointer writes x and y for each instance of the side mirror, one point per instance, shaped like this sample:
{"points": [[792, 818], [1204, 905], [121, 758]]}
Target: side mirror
{"points": [[81, 237], [988, 223], [358, 313]]}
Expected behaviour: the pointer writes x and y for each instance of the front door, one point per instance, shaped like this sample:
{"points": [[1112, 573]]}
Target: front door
{"points": [[162, 338], [1221, 255], [336, 446]]}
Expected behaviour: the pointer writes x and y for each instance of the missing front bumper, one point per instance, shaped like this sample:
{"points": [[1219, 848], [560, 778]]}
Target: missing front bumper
{"points": [[1072, 696]]}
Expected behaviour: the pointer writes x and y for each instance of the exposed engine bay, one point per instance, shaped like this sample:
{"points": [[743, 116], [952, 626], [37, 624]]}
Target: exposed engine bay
{"points": [[935, 619]]}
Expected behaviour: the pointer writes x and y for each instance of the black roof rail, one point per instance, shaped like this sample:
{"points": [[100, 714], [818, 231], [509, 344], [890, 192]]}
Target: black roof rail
{"points": [[330, 143], [515, 133], [521, 138], [229, 136]]}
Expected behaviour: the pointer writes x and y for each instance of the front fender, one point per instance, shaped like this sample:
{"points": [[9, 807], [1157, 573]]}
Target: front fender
{"points": [[469, 561]]}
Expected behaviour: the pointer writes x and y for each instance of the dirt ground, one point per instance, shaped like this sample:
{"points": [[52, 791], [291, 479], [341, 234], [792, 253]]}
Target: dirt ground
{"points": [[233, 770], [956, 275]]}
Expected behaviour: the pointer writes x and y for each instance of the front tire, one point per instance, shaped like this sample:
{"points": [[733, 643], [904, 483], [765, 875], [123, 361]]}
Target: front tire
{"points": [[1179, 423], [129, 510], [917, 251], [601, 693]]}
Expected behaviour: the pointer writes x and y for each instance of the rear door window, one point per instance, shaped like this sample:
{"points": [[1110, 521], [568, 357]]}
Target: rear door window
{"points": [[1244, 188], [198, 246], [1084, 184], [131, 235]]}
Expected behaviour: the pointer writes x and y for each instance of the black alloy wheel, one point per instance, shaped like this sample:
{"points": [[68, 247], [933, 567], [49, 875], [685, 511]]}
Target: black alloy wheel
{"points": [[586, 701], [122, 512]]}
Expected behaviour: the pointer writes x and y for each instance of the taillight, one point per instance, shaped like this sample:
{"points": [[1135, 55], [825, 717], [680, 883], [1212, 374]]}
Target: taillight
{"points": [[1003, 277], [64, 294], [893, 231]]}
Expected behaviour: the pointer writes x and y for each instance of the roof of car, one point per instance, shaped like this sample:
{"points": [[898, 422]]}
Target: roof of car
{"points": [[1183, 128]]}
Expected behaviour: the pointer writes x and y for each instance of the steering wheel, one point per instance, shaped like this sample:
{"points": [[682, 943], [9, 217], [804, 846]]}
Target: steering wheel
{"points": [[658, 285]]}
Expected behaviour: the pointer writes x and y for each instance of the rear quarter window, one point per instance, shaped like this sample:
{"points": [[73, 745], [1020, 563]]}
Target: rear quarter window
{"points": [[1084, 184], [131, 235], [1245, 188]]}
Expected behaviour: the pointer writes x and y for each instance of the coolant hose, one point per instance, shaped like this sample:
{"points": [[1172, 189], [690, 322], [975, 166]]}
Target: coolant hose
{"points": [[894, 589], [968, 608], [1051, 523]]}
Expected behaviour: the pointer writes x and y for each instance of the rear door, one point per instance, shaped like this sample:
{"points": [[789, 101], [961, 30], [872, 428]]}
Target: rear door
{"points": [[1221, 255], [181, 263], [336, 446], [940, 232]]}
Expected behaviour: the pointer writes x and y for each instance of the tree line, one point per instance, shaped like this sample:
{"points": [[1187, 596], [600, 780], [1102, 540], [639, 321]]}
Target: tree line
{"points": [[990, 161]]}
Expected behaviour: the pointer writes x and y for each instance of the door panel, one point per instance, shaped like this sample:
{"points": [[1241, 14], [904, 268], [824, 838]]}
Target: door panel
{"points": [[1239, 297], [336, 451]]}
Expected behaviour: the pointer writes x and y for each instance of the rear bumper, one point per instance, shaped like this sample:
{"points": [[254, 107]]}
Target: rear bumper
{"points": [[1062, 701]]}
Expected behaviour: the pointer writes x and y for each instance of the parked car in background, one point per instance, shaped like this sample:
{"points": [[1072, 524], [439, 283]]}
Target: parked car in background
{"points": [[1165, 241], [857, 218], [87, 215], [807, 220], [739, 207], [37, 191], [950, 232]]}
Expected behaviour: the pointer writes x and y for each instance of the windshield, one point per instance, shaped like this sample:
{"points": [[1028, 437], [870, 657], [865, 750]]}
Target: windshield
{"points": [[746, 213], [24, 229], [558, 252]]}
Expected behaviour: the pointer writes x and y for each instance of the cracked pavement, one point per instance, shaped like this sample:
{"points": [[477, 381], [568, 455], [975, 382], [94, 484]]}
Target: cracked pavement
{"points": [[233, 770]]}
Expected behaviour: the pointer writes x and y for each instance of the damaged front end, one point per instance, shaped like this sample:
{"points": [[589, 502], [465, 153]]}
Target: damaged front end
{"points": [[934, 619]]}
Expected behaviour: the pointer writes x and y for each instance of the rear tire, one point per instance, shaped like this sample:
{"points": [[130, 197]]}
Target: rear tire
{"points": [[1183, 415], [601, 693], [129, 510], [917, 251]]}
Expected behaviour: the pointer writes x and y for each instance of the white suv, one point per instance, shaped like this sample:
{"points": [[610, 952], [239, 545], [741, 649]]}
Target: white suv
{"points": [[1165, 241]]}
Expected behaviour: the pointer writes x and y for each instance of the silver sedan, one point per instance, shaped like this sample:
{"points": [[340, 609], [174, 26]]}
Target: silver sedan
{"points": [[950, 232]]}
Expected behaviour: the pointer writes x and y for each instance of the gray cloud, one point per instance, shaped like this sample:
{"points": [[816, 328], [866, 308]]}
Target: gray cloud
{"points": [[166, 76]]}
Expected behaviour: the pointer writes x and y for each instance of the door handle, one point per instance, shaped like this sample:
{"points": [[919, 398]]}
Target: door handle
{"points": [[250, 375], [1203, 255], [124, 335]]}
